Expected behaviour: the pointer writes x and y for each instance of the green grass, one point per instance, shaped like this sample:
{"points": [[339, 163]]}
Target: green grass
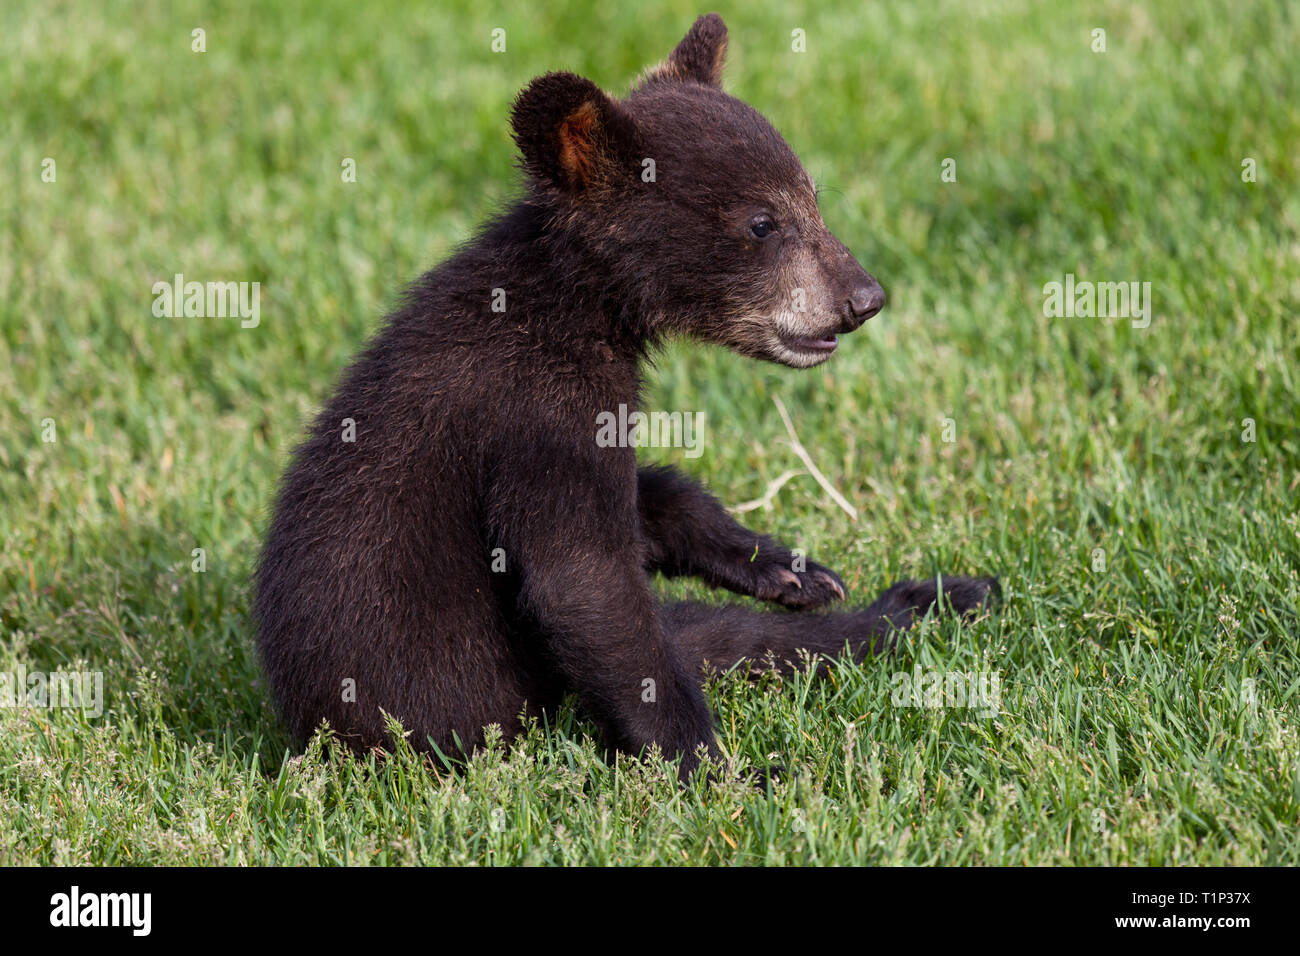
{"points": [[1149, 709]]}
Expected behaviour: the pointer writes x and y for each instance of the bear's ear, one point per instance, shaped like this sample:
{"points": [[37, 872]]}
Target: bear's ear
{"points": [[572, 135], [700, 55]]}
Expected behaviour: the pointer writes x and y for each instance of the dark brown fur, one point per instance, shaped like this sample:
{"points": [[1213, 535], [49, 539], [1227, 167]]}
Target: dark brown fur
{"points": [[475, 431]]}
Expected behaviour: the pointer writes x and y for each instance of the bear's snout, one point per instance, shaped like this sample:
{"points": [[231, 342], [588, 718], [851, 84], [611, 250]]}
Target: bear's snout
{"points": [[864, 301]]}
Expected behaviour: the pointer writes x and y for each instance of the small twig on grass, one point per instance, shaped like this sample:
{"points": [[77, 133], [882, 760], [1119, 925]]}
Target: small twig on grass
{"points": [[768, 495], [813, 470]]}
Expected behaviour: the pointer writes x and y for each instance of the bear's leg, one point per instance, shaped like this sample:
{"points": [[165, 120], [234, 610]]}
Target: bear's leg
{"points": [[725, 636], [585, 599], [688, 532]]}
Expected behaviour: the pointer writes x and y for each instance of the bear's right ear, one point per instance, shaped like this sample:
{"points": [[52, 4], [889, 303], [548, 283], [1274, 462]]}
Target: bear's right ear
{"points": [[700, 55], [572, 135]]}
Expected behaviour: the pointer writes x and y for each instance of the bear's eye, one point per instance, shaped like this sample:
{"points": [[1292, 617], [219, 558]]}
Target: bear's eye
{"points": [[762, 226]]}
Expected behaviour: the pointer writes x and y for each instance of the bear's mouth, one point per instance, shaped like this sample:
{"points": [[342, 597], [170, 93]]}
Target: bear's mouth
{"points": [[821, 344]]}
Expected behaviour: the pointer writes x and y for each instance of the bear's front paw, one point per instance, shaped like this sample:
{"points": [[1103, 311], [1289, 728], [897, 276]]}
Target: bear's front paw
{"points": [[815, 586]]}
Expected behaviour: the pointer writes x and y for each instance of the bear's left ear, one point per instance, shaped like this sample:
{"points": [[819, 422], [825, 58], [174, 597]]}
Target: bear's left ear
{"points": [[700, 55], [572, 135]]}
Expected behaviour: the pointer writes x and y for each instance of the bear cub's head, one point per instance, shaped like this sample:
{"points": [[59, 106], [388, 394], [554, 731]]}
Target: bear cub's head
{"points": [[701, 217]]}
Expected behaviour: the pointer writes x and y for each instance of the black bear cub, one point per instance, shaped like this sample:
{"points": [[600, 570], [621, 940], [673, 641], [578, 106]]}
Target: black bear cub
{"points": [[453, 547]]}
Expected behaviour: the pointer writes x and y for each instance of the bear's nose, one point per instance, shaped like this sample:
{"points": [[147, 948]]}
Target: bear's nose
{"points": [[865, 301]]}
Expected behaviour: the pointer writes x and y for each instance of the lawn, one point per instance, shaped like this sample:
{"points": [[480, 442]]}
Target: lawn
{"points": [[1134, 483]]}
